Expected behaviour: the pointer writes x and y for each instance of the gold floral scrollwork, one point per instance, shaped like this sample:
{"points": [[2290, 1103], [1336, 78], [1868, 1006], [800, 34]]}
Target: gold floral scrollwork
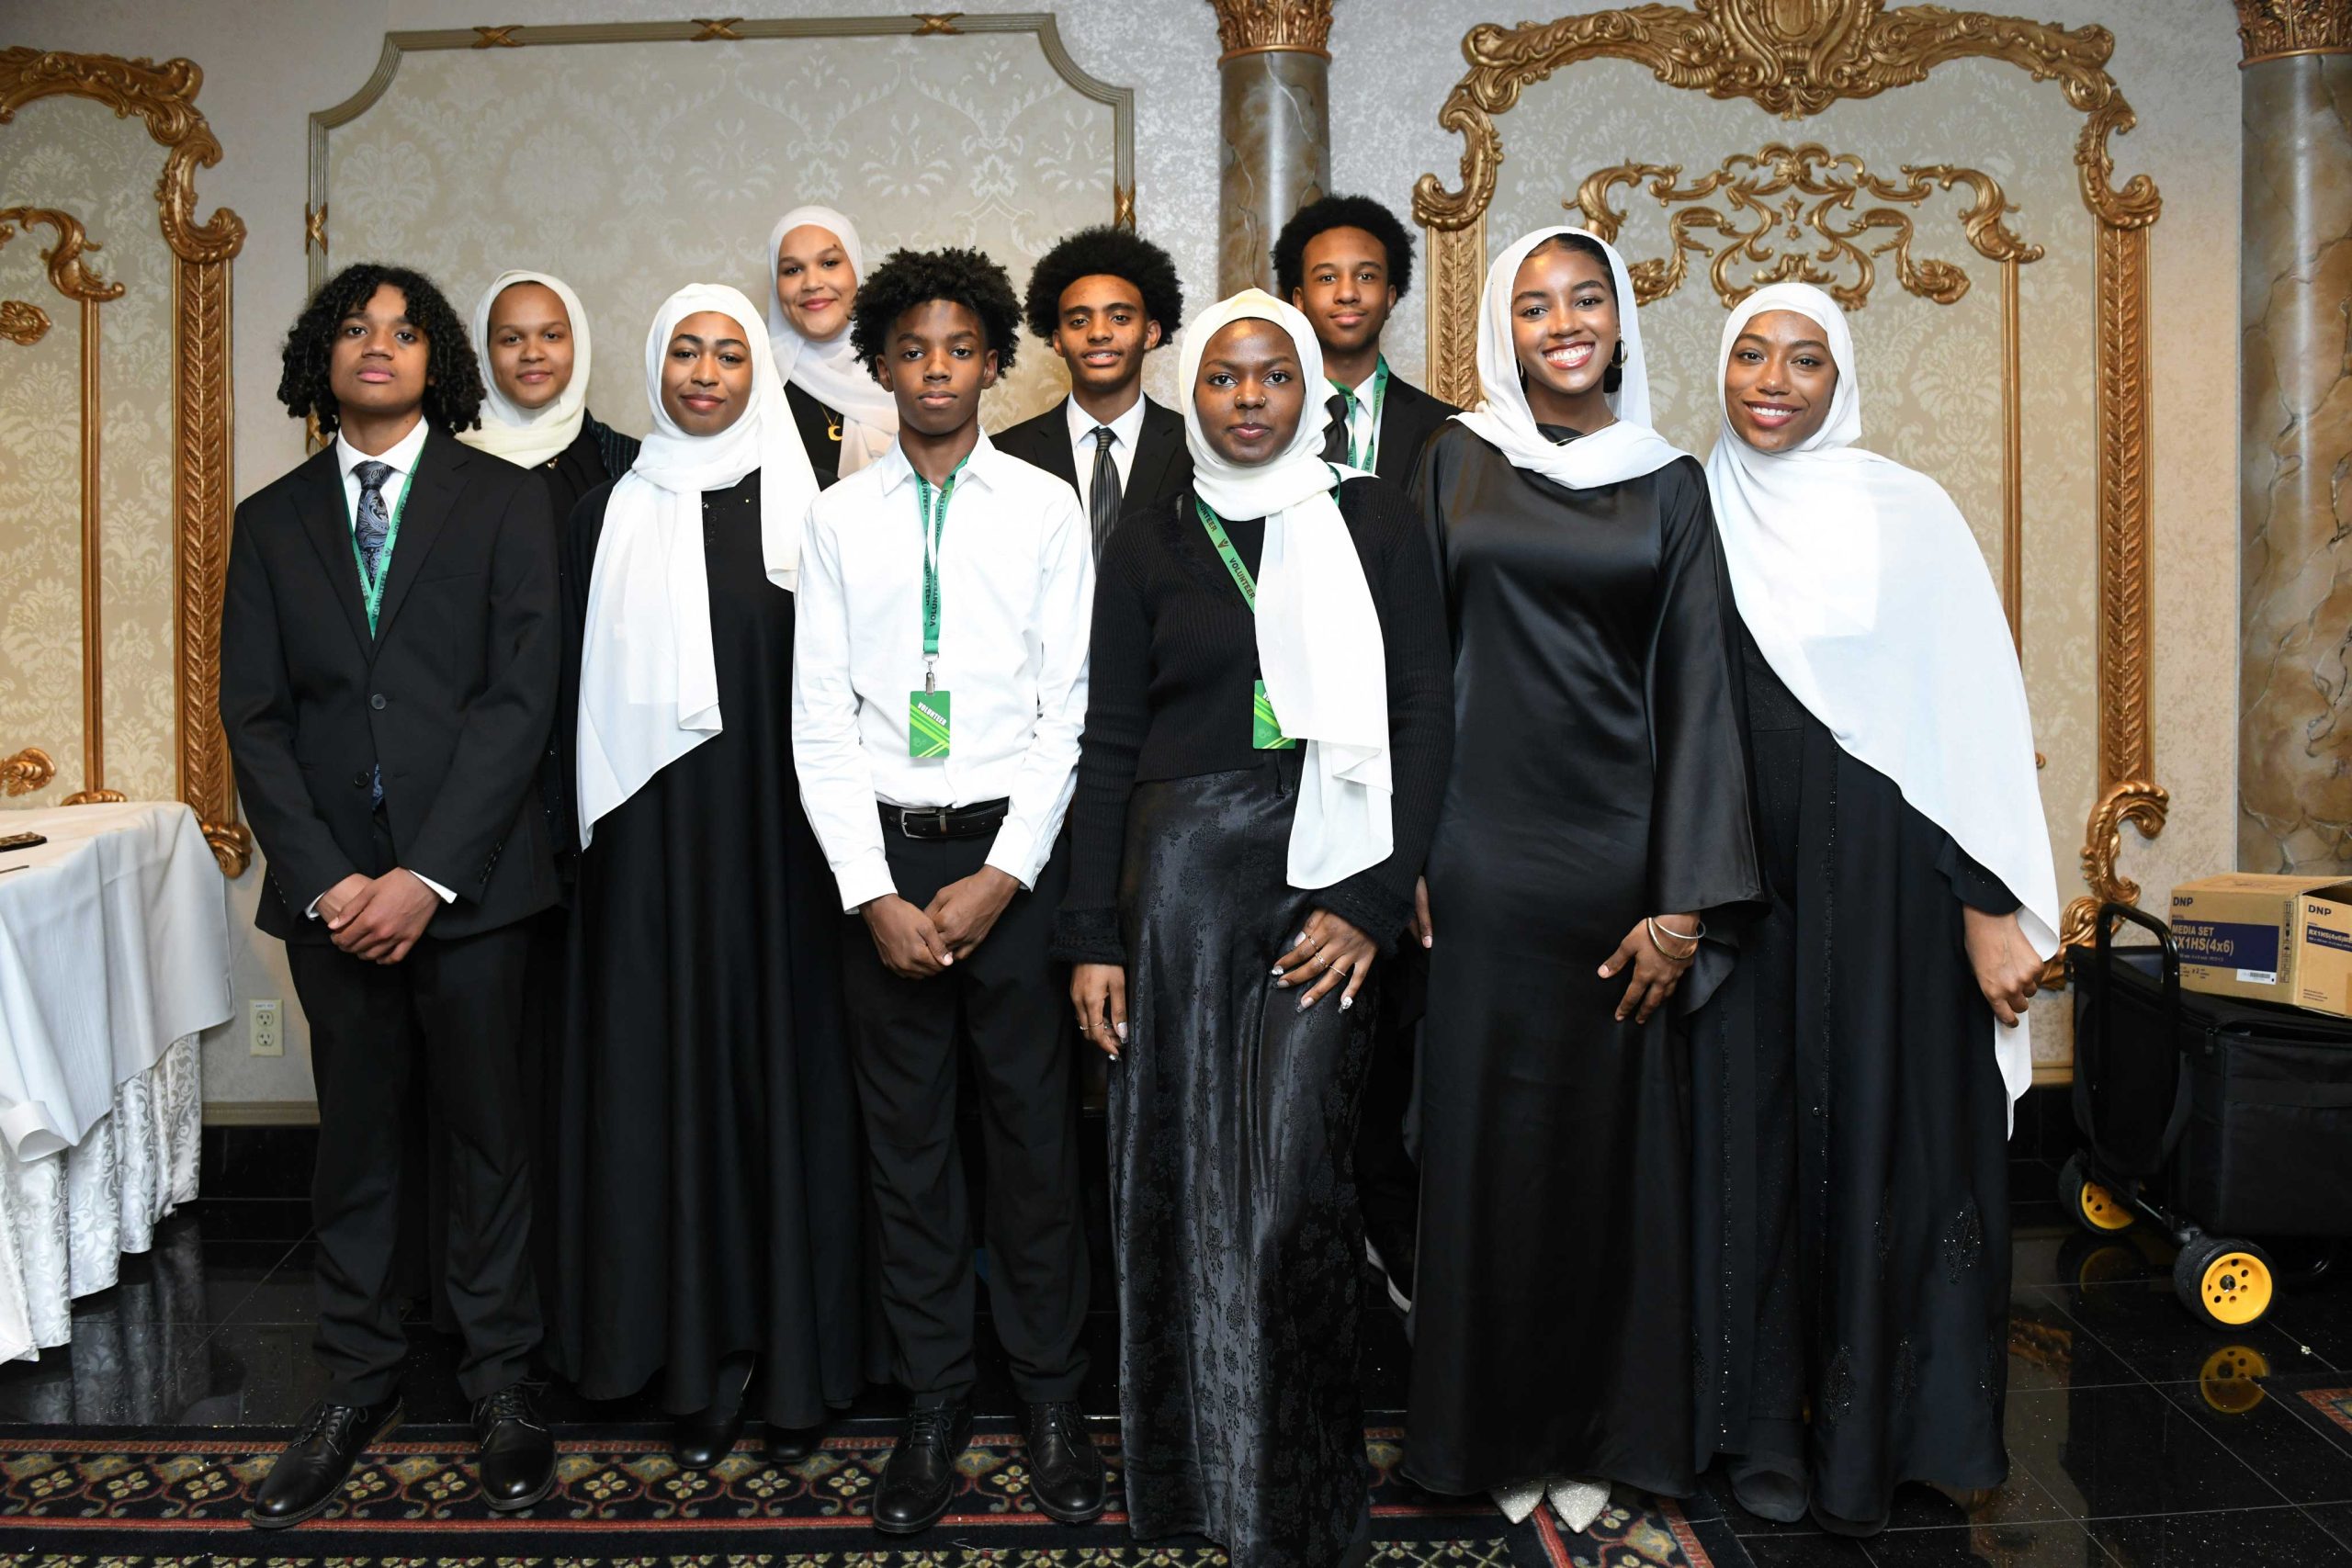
{"points": [[1775, 196], [717, 30], [940, 24], [2273, 29], [2141, 802], [69, 272], [164, 98], [22, 321], [27, 771], [1253, 27], [1123, 207], [498, 38], [314, 228], [95, 797]]}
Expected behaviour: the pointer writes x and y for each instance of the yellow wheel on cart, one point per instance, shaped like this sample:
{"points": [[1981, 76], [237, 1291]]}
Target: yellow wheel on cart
{"points": [[2227, 1283], [2228, 1380], [2096, 1209]]}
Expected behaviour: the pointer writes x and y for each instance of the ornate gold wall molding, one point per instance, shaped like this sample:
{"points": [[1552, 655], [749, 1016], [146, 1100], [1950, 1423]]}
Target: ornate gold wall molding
{"points": [[1253, 27], [26, 772], [23, 323], [1796, 57], [1779, 192], [2273, 29], [164, 98], [70, 275]]}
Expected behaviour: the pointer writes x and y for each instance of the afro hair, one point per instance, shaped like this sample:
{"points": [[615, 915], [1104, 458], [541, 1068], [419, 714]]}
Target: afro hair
{"points": [[1341, 212], [1108, 252], [910, 279], [453, 390]]}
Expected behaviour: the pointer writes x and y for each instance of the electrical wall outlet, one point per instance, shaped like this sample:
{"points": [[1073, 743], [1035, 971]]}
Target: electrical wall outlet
{"points": [[268, 1027]]}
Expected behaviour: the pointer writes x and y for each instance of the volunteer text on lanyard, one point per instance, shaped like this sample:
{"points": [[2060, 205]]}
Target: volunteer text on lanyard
{"points": [[927, 710], [1265, 730]]}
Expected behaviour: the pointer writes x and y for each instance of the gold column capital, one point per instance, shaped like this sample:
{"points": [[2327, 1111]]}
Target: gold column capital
{"points": [[1255, 27], [2273, 29]]}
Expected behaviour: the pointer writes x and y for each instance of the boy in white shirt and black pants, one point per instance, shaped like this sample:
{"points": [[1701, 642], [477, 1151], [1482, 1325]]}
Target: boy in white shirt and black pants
{"points": [[939, 691]]}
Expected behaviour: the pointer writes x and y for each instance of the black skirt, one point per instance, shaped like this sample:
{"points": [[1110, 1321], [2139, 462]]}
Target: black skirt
{"points": [[1232, 1200]]}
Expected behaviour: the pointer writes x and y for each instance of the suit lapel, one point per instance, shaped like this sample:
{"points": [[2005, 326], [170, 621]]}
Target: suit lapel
{"points": [[1156, 450], [431, 497], [326, 522], [1053, 444]]}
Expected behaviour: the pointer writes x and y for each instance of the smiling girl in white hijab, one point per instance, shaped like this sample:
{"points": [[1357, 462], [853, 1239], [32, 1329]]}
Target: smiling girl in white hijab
{"points": [[531, 335], [1856, 1072], [859, 418], [1235, 889], [707, 1177]]}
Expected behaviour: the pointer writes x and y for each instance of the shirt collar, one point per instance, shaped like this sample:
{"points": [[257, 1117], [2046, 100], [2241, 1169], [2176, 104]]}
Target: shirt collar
{"points": [[895, 470], [1125, 430], [402, 458]]}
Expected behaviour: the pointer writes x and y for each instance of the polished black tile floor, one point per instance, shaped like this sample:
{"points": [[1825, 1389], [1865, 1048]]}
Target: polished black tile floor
{"points": [[2137, 1439]]}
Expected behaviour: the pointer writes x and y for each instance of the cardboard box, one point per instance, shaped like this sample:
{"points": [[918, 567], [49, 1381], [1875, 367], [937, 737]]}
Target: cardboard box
{"points": [[2286, 940]]}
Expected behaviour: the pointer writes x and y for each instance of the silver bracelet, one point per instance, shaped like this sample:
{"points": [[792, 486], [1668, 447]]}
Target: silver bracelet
{"points": [[1650, 922]]}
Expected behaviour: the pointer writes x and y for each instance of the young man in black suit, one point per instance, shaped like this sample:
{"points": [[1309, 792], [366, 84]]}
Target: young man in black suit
{"points": [[1102, 298], [390, 644], [1345, 261]]}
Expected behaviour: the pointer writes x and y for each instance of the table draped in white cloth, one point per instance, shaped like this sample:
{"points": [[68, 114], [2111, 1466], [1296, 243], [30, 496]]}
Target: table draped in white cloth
{"points": [[114, 955]]}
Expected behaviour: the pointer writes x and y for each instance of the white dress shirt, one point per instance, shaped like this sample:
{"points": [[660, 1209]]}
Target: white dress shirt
{"points": [[1016, 594], [1126, 431], [403, 459]]}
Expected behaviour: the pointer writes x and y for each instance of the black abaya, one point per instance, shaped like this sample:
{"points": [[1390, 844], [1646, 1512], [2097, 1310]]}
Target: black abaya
{"points": [[707, 1169], [1850, 1187], [820, 434], [1598, 777]]}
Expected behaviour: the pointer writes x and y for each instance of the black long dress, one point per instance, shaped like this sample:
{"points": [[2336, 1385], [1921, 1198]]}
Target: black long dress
{"points": [[1233, 1204], [820, 434], [706, 1162], [1598, 777], [1851, 1189]]}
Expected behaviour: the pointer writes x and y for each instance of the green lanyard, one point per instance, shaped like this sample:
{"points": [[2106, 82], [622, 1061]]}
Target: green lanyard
{"points": [[372, 589], [934, 523], [1225, 552], [1370, 453]]}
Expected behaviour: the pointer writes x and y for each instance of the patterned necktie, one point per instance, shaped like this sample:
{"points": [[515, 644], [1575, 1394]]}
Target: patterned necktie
{"points": [[375, 524], [1102, 495], [1336, 433]]}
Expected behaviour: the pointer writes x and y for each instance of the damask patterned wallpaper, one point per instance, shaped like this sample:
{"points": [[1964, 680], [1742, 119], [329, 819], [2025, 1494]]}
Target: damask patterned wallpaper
{"points": [[77, 157]]}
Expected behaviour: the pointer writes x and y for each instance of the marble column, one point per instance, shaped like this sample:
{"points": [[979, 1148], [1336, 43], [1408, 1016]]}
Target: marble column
{"points": [[2295, 439], [1274, 80]]}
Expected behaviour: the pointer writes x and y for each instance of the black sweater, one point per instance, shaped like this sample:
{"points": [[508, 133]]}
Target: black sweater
{"points": [[1174, 659]]}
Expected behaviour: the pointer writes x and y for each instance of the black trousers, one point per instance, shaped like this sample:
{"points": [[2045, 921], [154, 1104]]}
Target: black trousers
{"points": [[1015, 1003], [453, 1012]]}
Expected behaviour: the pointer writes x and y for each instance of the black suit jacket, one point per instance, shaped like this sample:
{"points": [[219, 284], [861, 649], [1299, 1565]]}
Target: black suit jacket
{"points": [[1408, 419], [1161, 469], [454, 696]]}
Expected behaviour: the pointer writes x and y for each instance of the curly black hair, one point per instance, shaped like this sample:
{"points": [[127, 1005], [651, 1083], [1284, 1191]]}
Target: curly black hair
{"points": [[908, 278], [1341, 212], [1112, 253], [453, 390]]}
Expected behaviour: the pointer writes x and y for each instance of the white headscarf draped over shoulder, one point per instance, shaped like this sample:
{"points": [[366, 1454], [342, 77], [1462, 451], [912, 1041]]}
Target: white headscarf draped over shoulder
{"points": [[1319, 646], [1626, 450], [1868, 596], [648, 682], [508, 430], [829, 371]]}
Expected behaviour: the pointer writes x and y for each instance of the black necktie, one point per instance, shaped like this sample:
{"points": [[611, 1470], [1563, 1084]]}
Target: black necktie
{"points": [[1335, 435], [1102, 495]]}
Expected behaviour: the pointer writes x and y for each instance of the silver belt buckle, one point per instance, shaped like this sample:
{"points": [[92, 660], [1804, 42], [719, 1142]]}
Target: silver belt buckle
{"points": [[908, 814]]}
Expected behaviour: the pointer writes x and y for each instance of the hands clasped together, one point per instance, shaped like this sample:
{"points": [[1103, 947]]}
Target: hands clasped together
{"points": [[379, 918], [918, 943]]}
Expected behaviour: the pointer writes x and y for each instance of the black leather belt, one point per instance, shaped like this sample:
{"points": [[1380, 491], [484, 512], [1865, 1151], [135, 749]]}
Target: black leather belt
{"points": [[943, 821]]}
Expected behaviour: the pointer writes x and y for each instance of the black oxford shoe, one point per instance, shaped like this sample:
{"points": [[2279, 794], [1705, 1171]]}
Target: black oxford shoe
{"points": [[515, 1449], [702, 1439], [919, 1479], [310, 1473], [1064, 1472], [790, 1445]]}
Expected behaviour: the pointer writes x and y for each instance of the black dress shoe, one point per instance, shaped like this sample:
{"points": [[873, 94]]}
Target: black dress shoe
{"points": [[310, 1473], [516, 1450], [702, 1439], [790, 1445], [919, 1479], [1064, 1472]]}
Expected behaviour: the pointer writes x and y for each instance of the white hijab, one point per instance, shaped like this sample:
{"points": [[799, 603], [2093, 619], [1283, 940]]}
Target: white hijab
{"points": [[829, 371], [1867, 596], [1626, 450], [1319, 645], [649, 682], [530, 437]]}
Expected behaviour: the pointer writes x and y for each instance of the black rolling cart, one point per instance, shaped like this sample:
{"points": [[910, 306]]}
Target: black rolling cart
{"points": [[2215, 1119]]}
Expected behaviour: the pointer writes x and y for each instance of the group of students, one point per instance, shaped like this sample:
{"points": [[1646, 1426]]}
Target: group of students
{"points": [[1613, 919]]}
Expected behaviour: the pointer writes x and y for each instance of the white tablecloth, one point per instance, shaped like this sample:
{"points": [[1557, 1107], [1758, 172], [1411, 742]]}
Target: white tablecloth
{"points": [[113, 955], [114, 943]]}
